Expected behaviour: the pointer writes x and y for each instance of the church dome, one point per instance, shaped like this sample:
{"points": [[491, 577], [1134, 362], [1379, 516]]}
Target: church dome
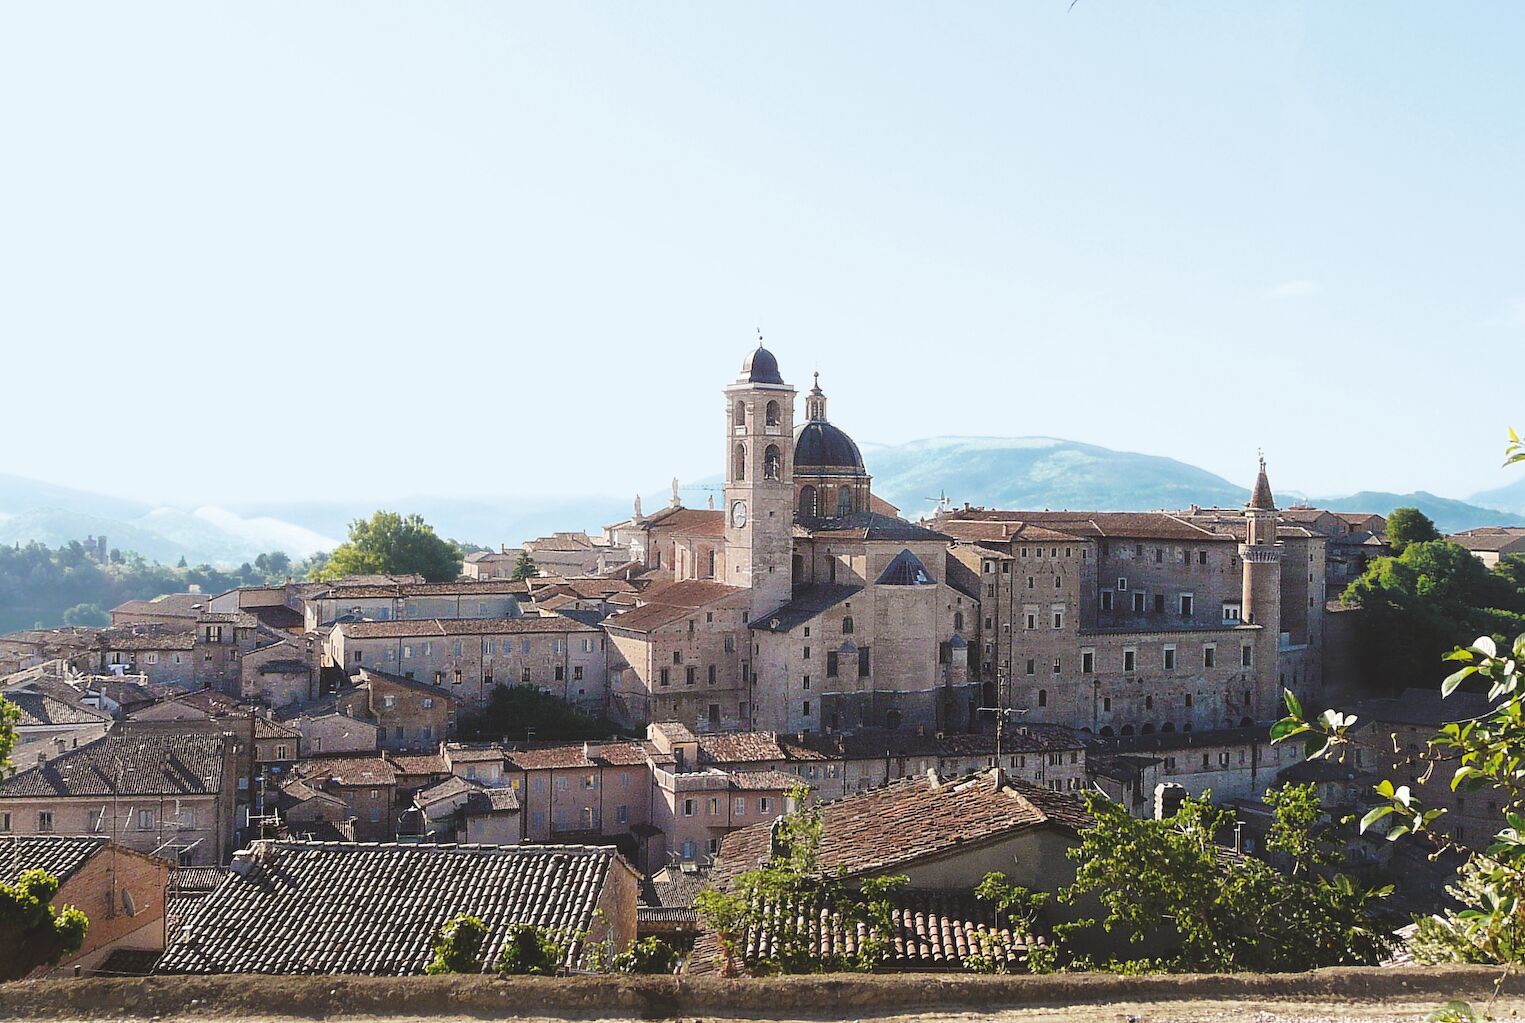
{"points": [[760, 367], [822, 449]]}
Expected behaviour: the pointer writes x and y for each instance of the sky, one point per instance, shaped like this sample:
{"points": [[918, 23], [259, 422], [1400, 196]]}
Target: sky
{"points": [[338, 250]]}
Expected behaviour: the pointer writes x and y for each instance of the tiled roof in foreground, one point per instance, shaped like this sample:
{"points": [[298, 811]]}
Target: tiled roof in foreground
{"points": [[885, 827], [59, 855], [335, 907], [165, 763]]}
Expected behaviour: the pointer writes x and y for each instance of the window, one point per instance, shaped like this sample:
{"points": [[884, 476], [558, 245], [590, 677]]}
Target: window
{"points": [[730, 644], [1246, 656], [739, 806], [146, 820], [863, 662], [427, 702], [1122, 584], [691, 675], [666, 678], [772, 415], [1231, 613], [1106, 600], [1032, 619], [688, 808], [95, 821], [1058, 582], [1170, 658], [807, 653], [1159, 603], [1130, 659], [1209, 655], [1159, 556], [1030, 669], [1043, 697], [1087, 662], [709, 675], [773, 463], [1058, 619], [764, 804], [1058, 665], [677, 657], [1201, 557], [389, 701], [805, 682], [561, 674], [831, 664], [715, 714], [622, 814], [1030, 582], [847, 625], [577, 672], [1138, 603], [1186, 605], [44, 822], [524, 676], [805, 709]]}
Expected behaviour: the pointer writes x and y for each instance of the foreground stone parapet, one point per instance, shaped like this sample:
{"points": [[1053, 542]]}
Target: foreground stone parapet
{"points": [[819, 997]]}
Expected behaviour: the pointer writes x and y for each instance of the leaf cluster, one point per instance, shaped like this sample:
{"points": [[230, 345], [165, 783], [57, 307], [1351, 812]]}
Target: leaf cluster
{"points": [[393, 544], [458, 946], [32, 933]]}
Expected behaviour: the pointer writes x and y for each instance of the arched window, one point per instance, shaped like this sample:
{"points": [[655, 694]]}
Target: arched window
{"points": [[739, 463], [958, 621], [773, 463], [845, 501], [1106, 730], [739, 413], [1186, 727], [1043, 697], [807, 502], [847, 625], [1148, 728], [1245, 722], [1127, 730], [892, 720], [1168, 726], [775, 418]]}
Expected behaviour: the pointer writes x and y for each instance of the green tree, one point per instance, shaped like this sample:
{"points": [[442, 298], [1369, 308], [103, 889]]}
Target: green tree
{"points": [[389, 543], [1169, 881], [789, 895], [86, 614], [525, 567], [649, 955], [458, 946], [530, 950], [1481, 753], [521, 712], [32, 933], [1016, 910], [1409, 525]]}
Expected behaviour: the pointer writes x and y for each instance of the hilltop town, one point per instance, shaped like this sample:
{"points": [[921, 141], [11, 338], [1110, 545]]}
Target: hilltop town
{"points": [[947, 689]]}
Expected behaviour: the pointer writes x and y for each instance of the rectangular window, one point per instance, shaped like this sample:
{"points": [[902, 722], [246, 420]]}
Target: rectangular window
{"points": [[1031, 619], [1030, 666], [145, 820], [1246, 656], [1209, 655], [666, 678], [1130, 659], [1159, 603], [622, 814], [1170, 658], [863, 662], [1058, 619], [764, 804], [1087, 662], [688, 808], [805, 709], [577, 672], [1138, 603], [1201, 557], [691, 675], [1106, 600], [807, 653], [1122, 584], [739, 806], [710, 675], [831, 664], [44, 822], [1187, 601], [805, 682], [1058, 666]]}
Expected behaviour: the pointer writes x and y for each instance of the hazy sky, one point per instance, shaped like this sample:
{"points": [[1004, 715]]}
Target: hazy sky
{"points": [[369, 249]]}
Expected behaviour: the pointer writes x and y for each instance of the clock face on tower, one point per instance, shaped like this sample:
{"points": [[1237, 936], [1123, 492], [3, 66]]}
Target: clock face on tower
{"points": [[739, 514]]}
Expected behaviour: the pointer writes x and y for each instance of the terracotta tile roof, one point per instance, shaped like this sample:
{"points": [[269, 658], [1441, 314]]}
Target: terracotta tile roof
{"points": [[1478, 541], [663, 605], [365, 769], [931, 930], [59, 855], [168, 605], [343, 908], [691, 521], [905, 821], [137, 763], [577, 755], [1157, 742], [39, 709], [462, 753], [1128, 525], [419, 763], [197, 879], [366, 676], [762, 781], [868, 744], [264, 728], [966, 529], [147, 637], [464, 588], [427, 627], [740, 748]]}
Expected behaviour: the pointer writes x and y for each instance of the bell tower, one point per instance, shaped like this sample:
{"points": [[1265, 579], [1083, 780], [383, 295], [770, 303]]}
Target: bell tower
{"points": [[759, 482], [1261, 594]]}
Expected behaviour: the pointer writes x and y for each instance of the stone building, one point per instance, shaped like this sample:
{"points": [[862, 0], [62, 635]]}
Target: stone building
{"points": [[809, 607], [395, 601], [559, 655], [1492, 544]]}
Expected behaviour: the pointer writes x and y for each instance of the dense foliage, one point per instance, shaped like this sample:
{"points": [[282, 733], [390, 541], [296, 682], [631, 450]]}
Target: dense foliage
{"points": [[32, 933], [525, 567], [794, 881], [458, 946], [1485, 752], [521, 713], [389, 543], [1415, 605], [43, 587], [649, 955], [530, 950], [1409, 525], [1169, 885]]}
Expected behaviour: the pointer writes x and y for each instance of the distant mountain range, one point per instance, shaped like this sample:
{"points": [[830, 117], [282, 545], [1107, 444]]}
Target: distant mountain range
{"points": [[1006, 472]]}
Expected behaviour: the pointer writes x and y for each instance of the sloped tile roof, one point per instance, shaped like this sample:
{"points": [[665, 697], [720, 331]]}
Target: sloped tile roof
{"points": [[910, 819], [663, 605], [130, 764], [39, 709], [693, 521], [873, 526], [364, 769], [430, 627], [806, 604], [147, 637], [344, 908], [930, 930], [59, 855], [1080, 524]]}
